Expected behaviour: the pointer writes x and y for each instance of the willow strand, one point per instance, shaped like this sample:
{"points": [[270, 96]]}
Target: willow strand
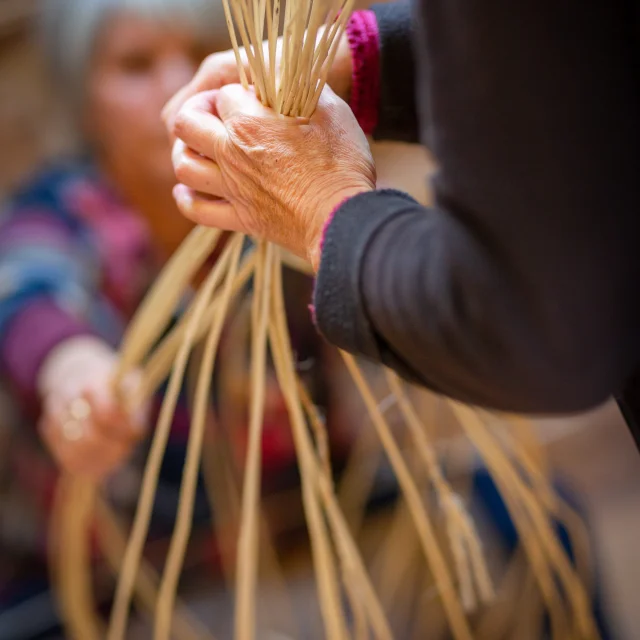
{"points": [[177, 550], [463, 537], [360, 618], [548, 559], [154, 314], [247, 560], [120, 611], [312, 474], [113, 541], [457, 619], [322, 553], [159, 364]]}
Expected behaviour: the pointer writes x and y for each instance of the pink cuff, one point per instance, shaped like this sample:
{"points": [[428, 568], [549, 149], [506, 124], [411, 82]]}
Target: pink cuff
{"points": [[363, 36]]}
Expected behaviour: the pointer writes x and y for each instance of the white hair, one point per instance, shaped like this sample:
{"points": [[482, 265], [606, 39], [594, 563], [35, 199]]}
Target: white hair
{"points": [[70, 29]]}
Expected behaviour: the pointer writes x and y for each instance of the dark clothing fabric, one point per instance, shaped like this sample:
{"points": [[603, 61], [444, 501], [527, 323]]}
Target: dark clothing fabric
{"points": [[397, 113], [629, 403], [517, 290]]}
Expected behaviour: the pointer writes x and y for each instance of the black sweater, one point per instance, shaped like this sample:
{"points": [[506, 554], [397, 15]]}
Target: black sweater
{"points": [[518, 290]]}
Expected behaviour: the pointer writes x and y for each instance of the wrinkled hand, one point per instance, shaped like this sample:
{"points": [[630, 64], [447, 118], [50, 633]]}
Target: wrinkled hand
{"points": [[221, 69], [85, 425], [244, 168]]}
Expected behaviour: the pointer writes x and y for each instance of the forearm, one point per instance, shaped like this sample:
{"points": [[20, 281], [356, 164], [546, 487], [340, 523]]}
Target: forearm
{"points": [[518, 291], [412, 288]]}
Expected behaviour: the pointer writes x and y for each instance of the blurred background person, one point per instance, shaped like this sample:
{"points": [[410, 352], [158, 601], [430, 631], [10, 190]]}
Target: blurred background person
{"points": [[80, 243], [83, 237]]}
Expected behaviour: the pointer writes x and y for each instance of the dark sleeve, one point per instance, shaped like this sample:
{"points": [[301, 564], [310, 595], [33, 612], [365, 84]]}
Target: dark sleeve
{"points": [[30, 336], [397, 117], [518, 290]]}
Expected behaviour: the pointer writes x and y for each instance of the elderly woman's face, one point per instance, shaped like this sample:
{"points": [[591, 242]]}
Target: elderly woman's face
{"points": [[137, 66]]}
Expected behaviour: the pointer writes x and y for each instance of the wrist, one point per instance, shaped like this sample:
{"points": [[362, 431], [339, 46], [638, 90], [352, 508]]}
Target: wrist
{"points": [[316, 237]]}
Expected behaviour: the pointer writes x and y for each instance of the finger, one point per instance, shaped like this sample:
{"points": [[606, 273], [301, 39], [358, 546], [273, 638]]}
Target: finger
{"points": [[198, 126], [216, 71], [196, 171], [96, 469], [234, 100], [128, 392], [96, 463], [90, 455], [205, 210], [112, 421], [200, 83], [59, 424], [172, 108]]}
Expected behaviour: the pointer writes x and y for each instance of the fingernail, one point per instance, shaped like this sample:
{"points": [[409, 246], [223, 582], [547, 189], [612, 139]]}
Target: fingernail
{"points": [[182, 195], [178, 193]]}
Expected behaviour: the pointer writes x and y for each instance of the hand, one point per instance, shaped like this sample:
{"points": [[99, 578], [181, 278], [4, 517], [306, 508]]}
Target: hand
{"points": [[220, 69], [244, 168], [84, 424]]}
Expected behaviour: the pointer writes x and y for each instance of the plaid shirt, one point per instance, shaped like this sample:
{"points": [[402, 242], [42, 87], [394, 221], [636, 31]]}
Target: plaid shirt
{"points": [[74, 260]]}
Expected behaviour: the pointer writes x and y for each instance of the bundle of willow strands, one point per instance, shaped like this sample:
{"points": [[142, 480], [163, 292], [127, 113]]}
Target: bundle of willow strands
{"points": [[554, 572], [69, 554], [308, 42], [502, 615], [77, 504]]}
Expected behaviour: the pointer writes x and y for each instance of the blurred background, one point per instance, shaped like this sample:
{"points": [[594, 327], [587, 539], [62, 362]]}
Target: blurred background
{"points": [[83, 155]]}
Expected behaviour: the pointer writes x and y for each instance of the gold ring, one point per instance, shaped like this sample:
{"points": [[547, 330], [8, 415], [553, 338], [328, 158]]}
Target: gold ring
{"points": [[73, 430], [79, 409]]}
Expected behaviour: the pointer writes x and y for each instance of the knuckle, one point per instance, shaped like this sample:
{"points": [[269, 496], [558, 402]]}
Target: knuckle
{"points": [[225, 96], [181, 124], [212, 62], [245, 130], [206, 70], [208, 63]]}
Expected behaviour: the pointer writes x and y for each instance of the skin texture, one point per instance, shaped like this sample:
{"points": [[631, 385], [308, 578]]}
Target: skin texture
{"points": [[138, 64], [244, 168], [256, 140]]}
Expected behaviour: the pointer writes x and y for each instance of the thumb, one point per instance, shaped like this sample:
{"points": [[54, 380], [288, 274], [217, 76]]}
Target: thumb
{"points": [[234, 100]]}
